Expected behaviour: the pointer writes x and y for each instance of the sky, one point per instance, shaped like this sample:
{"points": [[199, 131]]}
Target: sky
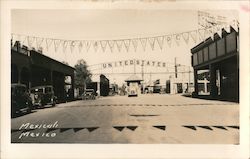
{"points": [[111, 24]]}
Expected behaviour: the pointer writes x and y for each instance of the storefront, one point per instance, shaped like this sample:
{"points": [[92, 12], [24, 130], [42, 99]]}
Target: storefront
{"points": [[216, 67]]}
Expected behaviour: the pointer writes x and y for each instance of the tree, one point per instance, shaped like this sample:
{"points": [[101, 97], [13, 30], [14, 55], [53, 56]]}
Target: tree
{"points": [[82, 75]]}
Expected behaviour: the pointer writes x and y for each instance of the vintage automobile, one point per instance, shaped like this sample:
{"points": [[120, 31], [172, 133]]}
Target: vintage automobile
{"points": [[133, 89], [89, 94], [20, 99], [43, 95]]}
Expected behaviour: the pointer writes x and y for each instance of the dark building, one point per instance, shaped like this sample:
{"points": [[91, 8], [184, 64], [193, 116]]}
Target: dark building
{"points": [[32, 68], [104, 86], [220, 58]]}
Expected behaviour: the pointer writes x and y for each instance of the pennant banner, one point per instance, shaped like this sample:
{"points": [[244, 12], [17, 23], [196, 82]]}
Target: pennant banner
{"points": [[143, 43], [119, 45], [169, 40], [152, 42], [127, 44], [197, 36], [135, 44], [111, 44], [160, 41]]}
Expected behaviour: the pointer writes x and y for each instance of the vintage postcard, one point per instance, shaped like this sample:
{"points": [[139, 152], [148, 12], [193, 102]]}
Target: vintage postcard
{"points": [[101, 74]]}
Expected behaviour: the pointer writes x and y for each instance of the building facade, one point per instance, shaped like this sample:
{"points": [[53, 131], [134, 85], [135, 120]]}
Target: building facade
{"points": [[32, 68], [220, 58]]}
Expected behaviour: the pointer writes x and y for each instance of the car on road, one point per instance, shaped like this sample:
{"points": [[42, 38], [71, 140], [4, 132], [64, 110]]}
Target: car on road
{"points": [[89, 94], [43, 95], [133, 89], [20, 99]]}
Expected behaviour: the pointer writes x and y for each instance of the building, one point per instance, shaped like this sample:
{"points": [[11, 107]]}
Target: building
{"points": [[220, 58], [32, 68]]}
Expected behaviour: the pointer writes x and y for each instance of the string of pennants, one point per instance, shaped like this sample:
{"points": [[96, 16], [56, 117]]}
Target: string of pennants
{"points": [[132, 128], [127, 44]]}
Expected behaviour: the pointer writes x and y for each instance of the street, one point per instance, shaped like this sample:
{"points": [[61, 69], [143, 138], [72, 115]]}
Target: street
{"points": [[149, 119]]}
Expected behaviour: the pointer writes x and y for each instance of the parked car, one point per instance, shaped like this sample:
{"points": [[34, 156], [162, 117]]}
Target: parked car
{"points": [[20, 99], [43, 95], [89, 94]]}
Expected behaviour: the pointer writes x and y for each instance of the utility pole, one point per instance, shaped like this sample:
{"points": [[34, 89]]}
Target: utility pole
{"points": [[134, 67], [175, 67]]}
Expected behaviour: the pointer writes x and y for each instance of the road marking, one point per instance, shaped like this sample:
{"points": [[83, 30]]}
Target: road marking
{"points": [[160, 127], [64, 129], [132, 127], [90, 129], [190, 127], [206, 127], [235, 127], [77, 129], [119, 128], [220, 127]]}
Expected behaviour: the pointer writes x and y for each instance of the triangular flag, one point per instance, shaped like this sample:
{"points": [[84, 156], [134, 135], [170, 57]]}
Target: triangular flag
{"points": [[160, 41], [143, 43], [210, 32], [48, 43], [127, 44], [30, 40], [152, 42], [193, 35], [39, 42], [135, 43], [72, 46], [235, 25], [104, 45], [168, 38], [64, 45], [219, 30], [111, 44], [119, 44], [87, 45], [201, 33], [80, 45], [177, 39], [185, 36], [23, 39], [56, 44], [95, 45], [227, 28]]}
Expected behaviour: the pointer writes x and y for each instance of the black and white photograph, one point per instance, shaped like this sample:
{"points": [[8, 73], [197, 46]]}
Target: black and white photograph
{"points": [[125, 76]]}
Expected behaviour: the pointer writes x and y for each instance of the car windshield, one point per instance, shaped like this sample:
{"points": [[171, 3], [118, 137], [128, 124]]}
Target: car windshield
{"points": [[36, 90]]}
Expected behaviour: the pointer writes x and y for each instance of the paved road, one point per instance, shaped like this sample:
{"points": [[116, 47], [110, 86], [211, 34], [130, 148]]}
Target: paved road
{"points": [[120, 119]]}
